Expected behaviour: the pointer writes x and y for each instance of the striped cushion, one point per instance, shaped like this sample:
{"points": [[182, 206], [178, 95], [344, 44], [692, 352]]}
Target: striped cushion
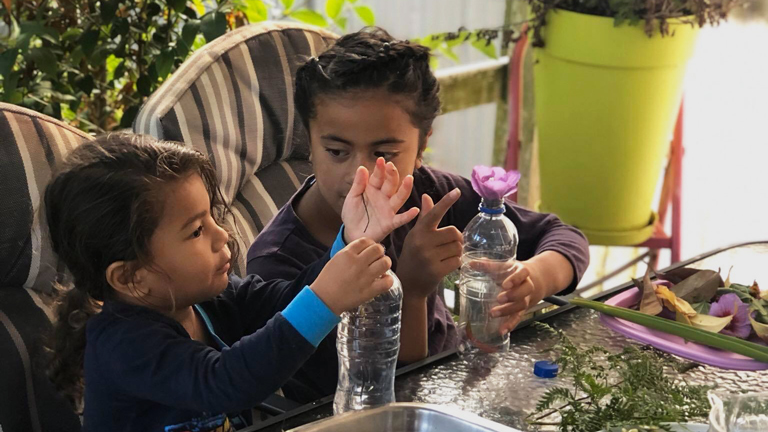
{"points": [[29, 402], [31, 144], [233, 100]]}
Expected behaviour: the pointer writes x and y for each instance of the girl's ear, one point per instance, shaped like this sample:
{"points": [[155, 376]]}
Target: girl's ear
{"points": [[120, 278]]}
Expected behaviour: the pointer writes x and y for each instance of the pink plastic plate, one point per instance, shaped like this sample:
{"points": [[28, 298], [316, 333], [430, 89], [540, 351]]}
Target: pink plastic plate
{"points": [[674, 344]]}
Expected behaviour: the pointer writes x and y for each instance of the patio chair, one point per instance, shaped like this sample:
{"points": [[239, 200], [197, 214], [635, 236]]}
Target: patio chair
{"points": [[233, 100], [31, 145]]}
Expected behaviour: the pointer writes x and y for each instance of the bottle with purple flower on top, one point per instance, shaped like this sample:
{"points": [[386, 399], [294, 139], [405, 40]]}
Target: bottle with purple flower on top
{"points": [[490, 250]]}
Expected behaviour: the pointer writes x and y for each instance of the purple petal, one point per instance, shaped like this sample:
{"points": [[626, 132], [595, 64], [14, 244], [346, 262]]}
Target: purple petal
{"points": [[731, 304], [493, 182]]}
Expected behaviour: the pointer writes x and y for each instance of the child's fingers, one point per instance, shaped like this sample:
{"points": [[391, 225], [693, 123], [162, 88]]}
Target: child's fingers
{"points": [[447, 251], [432, 218], [372, 253], [380, 266], [519, 274], [382, 284], [510, 323], [378, 176], [391, 181], [403, 218], [358, 246], [449, 234], [360, 182], [401, 196], [509, 309]]}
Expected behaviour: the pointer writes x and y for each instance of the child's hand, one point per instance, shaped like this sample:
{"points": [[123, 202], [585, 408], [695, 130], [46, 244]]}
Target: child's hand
{"points": [[519, 291], [430, 253], [353, 276], [371, 206]]}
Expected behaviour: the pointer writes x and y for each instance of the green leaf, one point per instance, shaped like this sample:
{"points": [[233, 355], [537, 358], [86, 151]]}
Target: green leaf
{"points": [[100, 54], [448, 52], [333, 8], [486, 48], [256, 11], [189, 33], [164, 63], [458, 40], [88, 41], [119, 70], [86, 84], [76, 55], [120, 27], [108, 10], [71, 34], [309, 17], [213, 25], [144, 85], [716, 340], [434, 63], [45, 60], [743, 296], [8, 61], [10, 83], [366, 14], [341, 22], [153, 10], [112, 64], [199, 6], [287, 4], [39, 29], [129, 116], [431, 41], [701, 307], [199, 42], [178, 5]]}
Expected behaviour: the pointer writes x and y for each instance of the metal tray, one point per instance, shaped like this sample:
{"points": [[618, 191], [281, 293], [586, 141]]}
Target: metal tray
{"points": [[406, 417]]}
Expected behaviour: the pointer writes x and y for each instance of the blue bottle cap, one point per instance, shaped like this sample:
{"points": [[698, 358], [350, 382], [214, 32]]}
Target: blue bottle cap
{"points": [[545, 369]]}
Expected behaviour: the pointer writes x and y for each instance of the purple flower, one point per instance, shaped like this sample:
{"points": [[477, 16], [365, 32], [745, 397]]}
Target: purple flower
{"points": [[493, 183], [731, 304]]}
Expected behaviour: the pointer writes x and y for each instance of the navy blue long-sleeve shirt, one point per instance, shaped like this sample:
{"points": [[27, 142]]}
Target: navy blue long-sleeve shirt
{"points": [[143, 372]]}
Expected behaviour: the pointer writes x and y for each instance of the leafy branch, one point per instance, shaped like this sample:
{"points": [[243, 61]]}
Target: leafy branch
{"points": [[628, 389]]}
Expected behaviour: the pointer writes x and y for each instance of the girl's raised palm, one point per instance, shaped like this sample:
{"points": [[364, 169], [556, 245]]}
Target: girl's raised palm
{"points": [[370, 209]]}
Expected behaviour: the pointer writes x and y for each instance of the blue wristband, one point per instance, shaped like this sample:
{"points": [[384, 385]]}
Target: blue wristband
{"points": [[310, 316]]}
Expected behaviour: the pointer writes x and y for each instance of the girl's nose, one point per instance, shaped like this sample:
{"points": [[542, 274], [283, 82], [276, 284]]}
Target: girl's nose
{"points": [[221, 237]]}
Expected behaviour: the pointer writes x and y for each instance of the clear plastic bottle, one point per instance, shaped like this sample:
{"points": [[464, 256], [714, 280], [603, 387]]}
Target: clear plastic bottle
{"points": [[490, 247], [368, 342]]}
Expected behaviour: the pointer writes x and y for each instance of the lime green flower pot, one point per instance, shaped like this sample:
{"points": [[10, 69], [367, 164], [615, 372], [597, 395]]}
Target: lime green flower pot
{"points": [[606, 103]]}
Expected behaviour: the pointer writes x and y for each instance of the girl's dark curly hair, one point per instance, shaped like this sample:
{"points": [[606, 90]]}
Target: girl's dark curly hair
{"points": [[103, 206], [367, 60]]}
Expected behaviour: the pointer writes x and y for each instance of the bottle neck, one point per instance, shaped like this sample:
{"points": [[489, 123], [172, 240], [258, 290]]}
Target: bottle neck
{"points": [[491, 206]]}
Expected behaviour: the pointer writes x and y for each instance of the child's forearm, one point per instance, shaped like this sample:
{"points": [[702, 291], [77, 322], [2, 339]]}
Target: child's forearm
{"points": [[551, 273], [413, 330]]}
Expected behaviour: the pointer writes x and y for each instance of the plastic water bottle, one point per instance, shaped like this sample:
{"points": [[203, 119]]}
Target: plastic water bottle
{"points": [[368, 342], [490, 248]]}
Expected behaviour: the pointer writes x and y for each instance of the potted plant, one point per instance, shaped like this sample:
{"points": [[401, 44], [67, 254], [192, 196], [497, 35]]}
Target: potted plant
{"points": [[608, 86]]}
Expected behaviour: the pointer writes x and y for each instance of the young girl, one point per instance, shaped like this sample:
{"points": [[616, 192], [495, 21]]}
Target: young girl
{"points": [[168, 341], [367, 97]]}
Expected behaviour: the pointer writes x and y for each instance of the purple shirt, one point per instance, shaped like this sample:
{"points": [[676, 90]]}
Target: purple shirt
{"points": [[285, 247]]}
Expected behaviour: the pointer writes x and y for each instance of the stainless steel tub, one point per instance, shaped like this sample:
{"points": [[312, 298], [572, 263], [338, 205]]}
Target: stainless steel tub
{"points": [[406, 417]]}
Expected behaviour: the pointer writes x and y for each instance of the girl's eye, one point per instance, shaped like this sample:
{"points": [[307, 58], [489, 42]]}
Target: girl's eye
{"points": [[388, 156], [334, 152], [198, 232]]}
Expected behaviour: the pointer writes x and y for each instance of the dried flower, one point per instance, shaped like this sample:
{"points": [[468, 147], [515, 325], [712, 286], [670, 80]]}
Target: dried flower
{"points": [[731, 304]]}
